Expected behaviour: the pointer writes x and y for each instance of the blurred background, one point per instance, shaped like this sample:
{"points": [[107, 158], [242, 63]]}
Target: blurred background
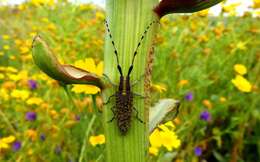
{"points": [[209, 60]]}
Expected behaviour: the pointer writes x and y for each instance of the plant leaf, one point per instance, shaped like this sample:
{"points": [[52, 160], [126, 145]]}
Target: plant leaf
{"points": [[183, 6], [66, 74], [160, 111]]}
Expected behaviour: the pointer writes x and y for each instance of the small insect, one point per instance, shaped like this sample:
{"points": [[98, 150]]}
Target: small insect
{"points": [[124, 96]]}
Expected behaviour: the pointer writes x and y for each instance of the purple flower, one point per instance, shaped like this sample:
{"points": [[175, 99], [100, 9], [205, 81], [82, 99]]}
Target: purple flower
{"points": [[31, 116], [42, 137], [16, 145], [57, 150], [77, 117], [205, 115], [189, 96], [32, 84], [197, 151]]}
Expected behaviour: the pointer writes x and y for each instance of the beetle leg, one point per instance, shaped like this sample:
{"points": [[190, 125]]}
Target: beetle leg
{"points": [[137, 81], [114, 95], [139, 95], [113, 110], [109, 80], [137, 117]]}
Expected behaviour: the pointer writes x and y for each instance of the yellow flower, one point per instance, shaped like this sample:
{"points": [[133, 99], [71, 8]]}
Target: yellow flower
{"points": [[34, 101], [153, 150], [170, 124], [203, 38], [222, 99], [20, 94], [18, 42], [240, 69], [168, 138], [2, 76], [88, 65], [155, 138], [5, 37], [22, 75], [86, 7], [31, 134], [6, 141], [159, 88], [207, 103], [97, 140], [164, 136], [183, 83], [45, 19], [6, 47], [203, 13], [30, 152], [4, 94], [24, 49], [11, 69], [33, 34], [242, 84], [241, 46], [70, 123], [54, 114], [100, 15], [21, 7], [256, 4], [42, 2], [231, 8], [51, 27]]}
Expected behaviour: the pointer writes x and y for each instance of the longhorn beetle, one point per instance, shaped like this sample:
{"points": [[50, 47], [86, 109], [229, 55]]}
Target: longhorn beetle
{"points": [[124, 96]]}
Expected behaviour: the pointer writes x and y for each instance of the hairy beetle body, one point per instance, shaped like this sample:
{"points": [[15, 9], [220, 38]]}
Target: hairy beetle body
{"points": [[124, 107]]}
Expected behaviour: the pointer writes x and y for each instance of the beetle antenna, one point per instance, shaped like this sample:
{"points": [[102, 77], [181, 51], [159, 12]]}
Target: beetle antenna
{"points": [[139, 44], [115, 50]]}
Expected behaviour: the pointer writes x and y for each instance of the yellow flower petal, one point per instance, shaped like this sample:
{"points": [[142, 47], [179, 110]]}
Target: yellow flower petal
{"points": [[3, 146], [89, 65], [87, 89], [222, 99], [170, 124], [159, 88], [155, 138], [97, 140], [5, 37], [9, 139], [100, 68], [170, 140], [183, 82], [240, 69], [31, 134], [207, 104], [153, 150], [242, 84], [20, 94], [34, 101], [163, 127]]}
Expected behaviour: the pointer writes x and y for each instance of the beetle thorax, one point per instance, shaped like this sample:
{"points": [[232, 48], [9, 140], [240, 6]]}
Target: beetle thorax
{"points": [[124, 85]]}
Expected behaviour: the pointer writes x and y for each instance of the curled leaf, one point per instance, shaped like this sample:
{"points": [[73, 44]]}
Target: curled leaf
{"points": [[161, 110], [66, 74], [183, 6]]}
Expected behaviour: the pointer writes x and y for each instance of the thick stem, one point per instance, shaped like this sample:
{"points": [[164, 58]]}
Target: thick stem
{"points": [[127, 21]]}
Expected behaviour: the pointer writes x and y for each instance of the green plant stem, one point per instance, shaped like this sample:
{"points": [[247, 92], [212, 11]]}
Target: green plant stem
{"points": [[127, 21], [84, 141], [68, 92], [71, 101], [8, 123]]}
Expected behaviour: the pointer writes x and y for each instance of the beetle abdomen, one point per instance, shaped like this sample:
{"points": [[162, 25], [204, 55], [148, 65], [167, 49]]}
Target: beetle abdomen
{"points": [[124, 106]]}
